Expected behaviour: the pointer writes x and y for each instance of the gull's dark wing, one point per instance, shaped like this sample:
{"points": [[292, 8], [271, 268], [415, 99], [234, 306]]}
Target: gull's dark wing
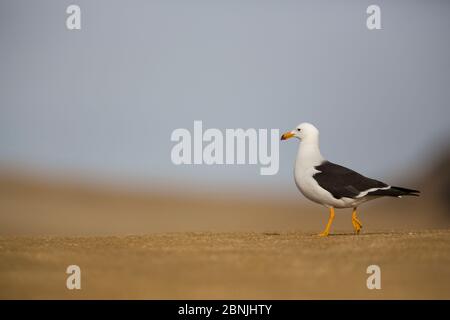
{"points": [[343, 182]]}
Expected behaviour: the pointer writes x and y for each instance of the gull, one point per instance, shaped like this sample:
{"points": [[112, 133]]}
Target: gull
{"points": [[332, 185]]}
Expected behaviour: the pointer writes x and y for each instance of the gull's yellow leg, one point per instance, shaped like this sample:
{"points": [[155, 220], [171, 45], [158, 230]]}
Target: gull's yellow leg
{"points": [[357, 225], [330, 221]]}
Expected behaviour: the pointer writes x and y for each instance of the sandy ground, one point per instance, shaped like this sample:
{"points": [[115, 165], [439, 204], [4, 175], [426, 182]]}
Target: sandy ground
{"points": [[41, 207], [289, 265], [206, 245]]}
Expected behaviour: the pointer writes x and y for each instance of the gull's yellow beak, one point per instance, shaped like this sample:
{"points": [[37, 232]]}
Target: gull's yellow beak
{"points": [[287, 135]]}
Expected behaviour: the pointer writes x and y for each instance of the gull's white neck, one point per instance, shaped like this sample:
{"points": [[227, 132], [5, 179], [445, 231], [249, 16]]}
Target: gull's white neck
{"points": [[308, 154]]}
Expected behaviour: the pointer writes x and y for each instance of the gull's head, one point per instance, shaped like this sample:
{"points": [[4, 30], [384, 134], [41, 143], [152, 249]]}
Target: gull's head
{"points": [[304, 131]]}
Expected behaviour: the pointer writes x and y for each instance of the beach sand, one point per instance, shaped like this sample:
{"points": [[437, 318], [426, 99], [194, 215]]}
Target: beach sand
{"points": [[294, 265]]}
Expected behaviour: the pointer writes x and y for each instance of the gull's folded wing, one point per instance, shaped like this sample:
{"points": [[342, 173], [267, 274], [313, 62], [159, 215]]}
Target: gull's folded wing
{"points": [[343, 182]]}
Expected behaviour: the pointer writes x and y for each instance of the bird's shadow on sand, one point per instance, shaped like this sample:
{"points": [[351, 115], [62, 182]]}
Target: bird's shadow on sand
{"points": [[360, 235], [342, 234]]}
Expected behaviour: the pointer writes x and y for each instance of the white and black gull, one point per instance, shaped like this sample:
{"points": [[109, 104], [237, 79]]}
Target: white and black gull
{"points": [[332, 185]]}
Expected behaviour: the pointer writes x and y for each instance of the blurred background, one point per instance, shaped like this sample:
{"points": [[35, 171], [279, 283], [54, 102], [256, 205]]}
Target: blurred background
{"points": [[86, 115]]}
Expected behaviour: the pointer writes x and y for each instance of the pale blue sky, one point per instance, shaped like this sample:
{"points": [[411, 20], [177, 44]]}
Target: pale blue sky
{"points": [[105, 99]]}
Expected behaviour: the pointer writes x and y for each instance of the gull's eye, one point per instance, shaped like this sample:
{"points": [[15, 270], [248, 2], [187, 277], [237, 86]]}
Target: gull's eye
{"points": [[298, 129]]}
